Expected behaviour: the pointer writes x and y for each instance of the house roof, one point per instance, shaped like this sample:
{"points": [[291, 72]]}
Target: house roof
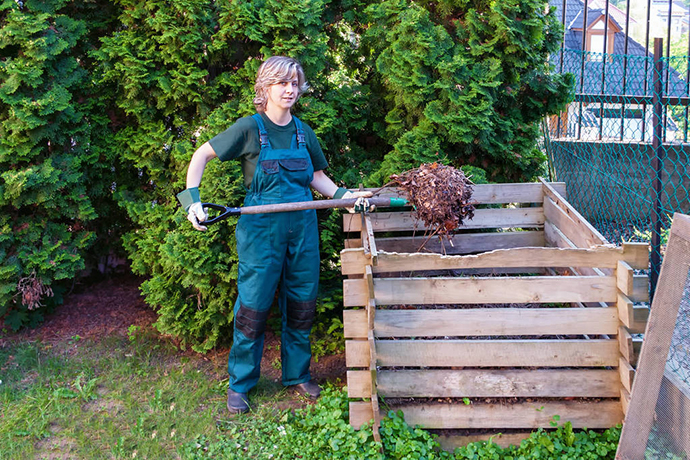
{"points": [[630, 73]]}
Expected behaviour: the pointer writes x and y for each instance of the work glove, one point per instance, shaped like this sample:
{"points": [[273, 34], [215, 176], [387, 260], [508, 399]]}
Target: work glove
{"points": [[362, 204], [191, 202], [197, 214]]}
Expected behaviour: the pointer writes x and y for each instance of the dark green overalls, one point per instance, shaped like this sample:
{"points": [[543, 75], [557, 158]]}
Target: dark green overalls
{"points": [[276, 247]]}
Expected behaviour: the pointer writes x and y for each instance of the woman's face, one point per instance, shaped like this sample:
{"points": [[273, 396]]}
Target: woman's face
{"points": [[283, 95]]}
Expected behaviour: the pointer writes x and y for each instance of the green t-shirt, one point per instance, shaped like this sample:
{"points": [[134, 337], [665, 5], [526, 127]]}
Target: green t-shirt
{"points": [[241, 140]]}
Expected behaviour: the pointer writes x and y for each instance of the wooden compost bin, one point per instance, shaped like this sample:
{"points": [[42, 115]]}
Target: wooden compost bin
{"points": [[529, 314]]}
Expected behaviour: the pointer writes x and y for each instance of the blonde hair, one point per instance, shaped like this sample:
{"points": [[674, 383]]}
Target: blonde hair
{"points": [[274, 70]]}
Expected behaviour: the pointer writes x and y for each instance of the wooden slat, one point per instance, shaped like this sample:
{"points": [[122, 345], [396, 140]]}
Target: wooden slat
{"points": [[627, 373], [599, 414], [483, 322], [629, 347], [632, 317], [483, 353], [356, 353], [553, 237], [592, 235], [559, 218], [368, 232], [625, 309], [473, 383], [523, 192], [464, 243], [640, 292], [637, 255], [640, 318], [625, 400], [353, 260], [535, 289], [624, 278], [483, 218], [358, 384]]}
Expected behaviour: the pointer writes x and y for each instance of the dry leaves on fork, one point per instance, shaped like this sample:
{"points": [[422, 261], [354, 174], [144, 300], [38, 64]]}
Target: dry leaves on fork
{"points": [[440, 194]]}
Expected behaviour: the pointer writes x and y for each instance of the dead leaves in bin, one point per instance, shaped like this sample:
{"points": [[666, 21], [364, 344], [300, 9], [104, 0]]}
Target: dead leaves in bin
{"points": [[440, 194]]}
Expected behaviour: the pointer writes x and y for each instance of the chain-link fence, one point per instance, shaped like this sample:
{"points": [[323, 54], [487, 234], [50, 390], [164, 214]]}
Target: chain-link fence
{"points": [[622, 145]]}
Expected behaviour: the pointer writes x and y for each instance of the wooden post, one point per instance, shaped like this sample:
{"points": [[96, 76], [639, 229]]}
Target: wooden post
{"points": [[645, 389]]}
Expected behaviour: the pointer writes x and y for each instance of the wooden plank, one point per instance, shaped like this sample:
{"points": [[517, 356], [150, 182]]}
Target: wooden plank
{"points": [[450, 442], [553, 237], [640, 318], [483, 218], [559, 218], [357, 353], [463, 243], [447, 290], [637, 255], [485, 353], [625, 400], [353, 260], [473, 383], [627, 373], [624, 278], [640, 292], [592, 235], [484, 322], [625, 309], [595, 415], [368, 232], [522, 192], [629, 347], [358, 384]]}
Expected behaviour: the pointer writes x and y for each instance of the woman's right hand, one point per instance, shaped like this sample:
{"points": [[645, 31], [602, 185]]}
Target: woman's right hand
{"points": [[197, 214]]}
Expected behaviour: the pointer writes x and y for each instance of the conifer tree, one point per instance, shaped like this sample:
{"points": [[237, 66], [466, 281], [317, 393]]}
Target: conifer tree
{"points": [[53, 166]]}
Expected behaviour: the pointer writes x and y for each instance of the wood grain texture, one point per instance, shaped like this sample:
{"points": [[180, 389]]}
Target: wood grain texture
{"points": [[523, 192], [353, 260], [445, 290], [591, 235], [464, 243], [483, 218], [473, 383], [485, 353], [600, 414], [483, 322]]}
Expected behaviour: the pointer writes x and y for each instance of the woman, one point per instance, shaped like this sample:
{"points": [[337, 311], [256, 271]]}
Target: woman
{"points": [[281, 160]]}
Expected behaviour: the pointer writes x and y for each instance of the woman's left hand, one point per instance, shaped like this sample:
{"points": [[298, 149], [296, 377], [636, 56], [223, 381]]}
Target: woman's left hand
{"points": [[362, 204]]}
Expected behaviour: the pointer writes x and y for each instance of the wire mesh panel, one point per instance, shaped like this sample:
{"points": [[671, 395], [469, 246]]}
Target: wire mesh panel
{"points": [[622, 145], [657, 425]]}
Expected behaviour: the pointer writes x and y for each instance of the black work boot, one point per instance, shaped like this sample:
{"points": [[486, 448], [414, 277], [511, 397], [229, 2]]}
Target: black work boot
{"points": [[238, 403], [309, 389]]}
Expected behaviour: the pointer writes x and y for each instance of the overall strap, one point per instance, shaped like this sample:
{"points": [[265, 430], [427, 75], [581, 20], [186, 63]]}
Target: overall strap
{"points": [[301, 139], [263, 134]]}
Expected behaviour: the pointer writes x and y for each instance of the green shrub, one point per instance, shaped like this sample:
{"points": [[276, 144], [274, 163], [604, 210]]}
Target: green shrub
{"points": [[465, 82], [55, 196]]}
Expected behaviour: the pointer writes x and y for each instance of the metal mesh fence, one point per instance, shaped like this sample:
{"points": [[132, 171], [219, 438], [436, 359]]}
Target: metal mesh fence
{"points": [[622, 145], [670, 434]]}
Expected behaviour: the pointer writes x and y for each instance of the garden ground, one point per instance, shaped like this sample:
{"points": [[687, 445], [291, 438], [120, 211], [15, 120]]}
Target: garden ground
{"points": [[96, 380]]}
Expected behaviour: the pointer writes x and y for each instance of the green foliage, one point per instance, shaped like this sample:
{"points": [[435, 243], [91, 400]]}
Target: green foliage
{"points": [[55, 175], [322, 431], [105, 102], [465, 81]]}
